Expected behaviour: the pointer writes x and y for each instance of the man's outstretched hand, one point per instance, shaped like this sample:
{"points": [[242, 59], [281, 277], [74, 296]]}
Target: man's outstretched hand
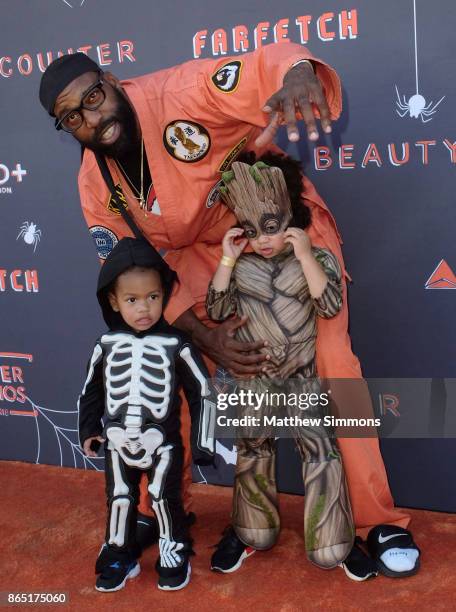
{"points": [[300, 88], [241, 359]]}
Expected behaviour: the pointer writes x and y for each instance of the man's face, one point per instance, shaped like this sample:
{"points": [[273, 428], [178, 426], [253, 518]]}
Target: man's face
{"points": [[112, 128]]}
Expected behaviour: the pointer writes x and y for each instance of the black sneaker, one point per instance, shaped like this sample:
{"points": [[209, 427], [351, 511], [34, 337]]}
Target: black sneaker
{"points": [[105, 558], [115, 575], [358, 565], [175, 578], [147, 534], [230, 553]]}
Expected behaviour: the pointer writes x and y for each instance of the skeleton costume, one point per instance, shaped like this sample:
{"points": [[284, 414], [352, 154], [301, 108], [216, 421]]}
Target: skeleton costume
{"points": [[274, 295], [132, 383]]}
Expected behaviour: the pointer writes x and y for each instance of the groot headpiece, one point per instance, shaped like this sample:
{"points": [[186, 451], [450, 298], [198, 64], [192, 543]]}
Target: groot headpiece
{"points": [[258, 197]]}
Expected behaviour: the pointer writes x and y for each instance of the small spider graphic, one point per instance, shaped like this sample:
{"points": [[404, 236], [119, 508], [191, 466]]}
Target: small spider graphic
{"points": [[30, 234], [416, 107]]}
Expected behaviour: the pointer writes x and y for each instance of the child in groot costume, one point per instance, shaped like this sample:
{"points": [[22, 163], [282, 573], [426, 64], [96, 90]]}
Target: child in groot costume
{"points": [[281, 287]]}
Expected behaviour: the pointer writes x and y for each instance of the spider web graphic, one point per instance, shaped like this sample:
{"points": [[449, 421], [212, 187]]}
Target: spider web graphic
{"points": [[71, 5], [204, 480], [66, 437], [57, 432]]}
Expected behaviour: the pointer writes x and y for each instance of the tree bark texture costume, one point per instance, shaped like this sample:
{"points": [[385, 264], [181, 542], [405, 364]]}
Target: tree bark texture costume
{"points": [[273, 293], [132, 383]]}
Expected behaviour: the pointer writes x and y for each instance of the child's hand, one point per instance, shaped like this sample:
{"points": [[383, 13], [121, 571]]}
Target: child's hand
{"points": [[300, 241], [87, 443], [231, 246]]}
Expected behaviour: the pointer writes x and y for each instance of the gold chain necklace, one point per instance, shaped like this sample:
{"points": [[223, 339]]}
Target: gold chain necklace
{"points": [[140, 194]]}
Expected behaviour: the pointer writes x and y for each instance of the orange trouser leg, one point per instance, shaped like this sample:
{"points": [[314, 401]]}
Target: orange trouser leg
{"points": [[144, 505], [370, 495]]}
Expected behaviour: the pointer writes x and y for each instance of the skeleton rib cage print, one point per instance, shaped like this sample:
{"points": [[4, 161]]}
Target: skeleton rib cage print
{"points": [[139, 393]]}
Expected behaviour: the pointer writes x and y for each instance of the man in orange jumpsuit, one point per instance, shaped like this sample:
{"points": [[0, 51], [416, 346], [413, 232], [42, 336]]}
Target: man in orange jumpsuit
{"points": [[166, 138]]}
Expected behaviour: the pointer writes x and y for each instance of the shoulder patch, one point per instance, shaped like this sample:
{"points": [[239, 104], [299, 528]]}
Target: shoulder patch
{"points": [[111, 206], [226, 79], [104, 238], [214, 194], [186, 141], [229, 159]]}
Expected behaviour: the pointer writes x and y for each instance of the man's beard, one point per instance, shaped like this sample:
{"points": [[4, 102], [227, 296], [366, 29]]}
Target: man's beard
{"points": [[129, 136]]}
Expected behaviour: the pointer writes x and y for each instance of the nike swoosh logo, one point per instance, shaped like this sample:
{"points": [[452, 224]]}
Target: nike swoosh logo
{"points": [[382, 539]]}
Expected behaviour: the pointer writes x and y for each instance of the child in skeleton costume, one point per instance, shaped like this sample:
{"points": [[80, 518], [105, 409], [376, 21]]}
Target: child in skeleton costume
{"points": [[281, 287], [134, 376]]}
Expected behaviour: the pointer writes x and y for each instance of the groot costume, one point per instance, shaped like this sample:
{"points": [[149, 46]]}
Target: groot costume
{"points": [[274, 294]]}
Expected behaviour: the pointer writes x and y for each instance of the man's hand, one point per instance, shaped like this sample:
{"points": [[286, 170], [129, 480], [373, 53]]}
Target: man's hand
{"points": [[300, 87], [219, 344]]}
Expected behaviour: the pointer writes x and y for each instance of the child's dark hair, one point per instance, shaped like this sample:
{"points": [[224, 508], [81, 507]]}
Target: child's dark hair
{"points": [[292, 172]]}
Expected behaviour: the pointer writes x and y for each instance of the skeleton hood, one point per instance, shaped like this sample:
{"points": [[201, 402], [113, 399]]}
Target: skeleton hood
{"points": [[258, 196], [130, 252]]}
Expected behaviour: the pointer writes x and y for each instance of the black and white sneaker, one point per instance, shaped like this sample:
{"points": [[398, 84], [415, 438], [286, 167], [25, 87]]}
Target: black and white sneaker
{"points": [[174, 578], [147, 534], [230, 554], [358, 565], [173, 565], [114, 576]]}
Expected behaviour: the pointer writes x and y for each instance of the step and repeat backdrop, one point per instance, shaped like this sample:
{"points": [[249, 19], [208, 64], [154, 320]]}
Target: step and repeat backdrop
{"points": [[387, 174]]}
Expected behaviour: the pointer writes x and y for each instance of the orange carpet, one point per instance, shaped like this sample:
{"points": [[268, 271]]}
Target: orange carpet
{"points": [[52, 525]]}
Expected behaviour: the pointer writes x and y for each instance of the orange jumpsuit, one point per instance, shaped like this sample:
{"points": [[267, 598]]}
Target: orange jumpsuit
{"points": [[194, 119]]}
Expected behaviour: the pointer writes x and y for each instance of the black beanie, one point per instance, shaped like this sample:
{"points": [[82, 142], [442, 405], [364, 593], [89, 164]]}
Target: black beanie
{"points": [[60, 73]]}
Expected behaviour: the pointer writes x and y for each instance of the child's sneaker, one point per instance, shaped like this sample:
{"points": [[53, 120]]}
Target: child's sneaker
{"points": [[174, 578], [359, 566], [230, 554], [173, 565], [147, 534], [115, 575]]}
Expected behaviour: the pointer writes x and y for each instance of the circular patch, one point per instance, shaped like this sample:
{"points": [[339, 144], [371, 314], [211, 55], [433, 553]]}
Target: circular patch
{"points": [[214, 195], [105, 240], [186, 141], [227, 77]]}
